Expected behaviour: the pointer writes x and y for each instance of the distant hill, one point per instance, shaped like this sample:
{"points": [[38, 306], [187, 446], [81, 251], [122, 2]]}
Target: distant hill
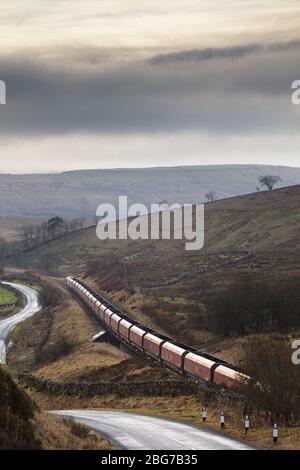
{"points": [[170, 289], [78, 193], [265, 221]]}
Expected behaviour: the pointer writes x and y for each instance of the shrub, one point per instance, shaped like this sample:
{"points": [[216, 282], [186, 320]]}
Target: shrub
{"points": [[79, 430], [251, 306], [274, 386], [50, 297], [54, 351]]}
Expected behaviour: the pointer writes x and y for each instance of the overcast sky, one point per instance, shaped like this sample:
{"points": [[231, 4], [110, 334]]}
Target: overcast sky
{"points": [[130, 83]]}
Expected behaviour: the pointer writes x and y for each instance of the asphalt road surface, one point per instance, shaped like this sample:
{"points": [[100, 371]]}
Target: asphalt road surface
{"points": [[7, 325], [138, 432]]}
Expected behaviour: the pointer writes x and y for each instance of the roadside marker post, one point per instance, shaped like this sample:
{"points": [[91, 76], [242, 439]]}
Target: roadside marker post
{"points": [[222, 420], [204, 414], [275, 433], [247, 424]]}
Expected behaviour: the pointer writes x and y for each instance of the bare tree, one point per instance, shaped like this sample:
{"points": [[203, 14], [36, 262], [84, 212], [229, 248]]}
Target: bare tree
{"points": [[274, 381], [54, 226], [32, 236], [211, 196], [269, 181], [28, 236]]}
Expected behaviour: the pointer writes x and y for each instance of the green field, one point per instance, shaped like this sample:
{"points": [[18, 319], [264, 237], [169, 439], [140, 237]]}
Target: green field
{"points": [[7, 296]]}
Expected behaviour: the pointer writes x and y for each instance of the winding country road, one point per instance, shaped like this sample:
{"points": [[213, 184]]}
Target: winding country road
{"points": [[128, 431], [7, 325], [138, 432]]}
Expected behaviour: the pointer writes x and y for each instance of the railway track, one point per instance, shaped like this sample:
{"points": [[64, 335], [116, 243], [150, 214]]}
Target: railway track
{"points": [[153, 346]]}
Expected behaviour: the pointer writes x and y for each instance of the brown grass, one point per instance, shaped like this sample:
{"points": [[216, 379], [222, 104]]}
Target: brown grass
{"points": [[268, 222], [90, 357], [71, 321], [186, 408], [26, 338], [60, 434], [86, 360]]}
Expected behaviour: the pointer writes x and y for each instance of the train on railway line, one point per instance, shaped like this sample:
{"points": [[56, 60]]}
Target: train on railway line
{"points": [[159, 348]]}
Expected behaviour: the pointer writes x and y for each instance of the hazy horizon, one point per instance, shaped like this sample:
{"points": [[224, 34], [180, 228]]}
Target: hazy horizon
{"points": [[45, 172]]}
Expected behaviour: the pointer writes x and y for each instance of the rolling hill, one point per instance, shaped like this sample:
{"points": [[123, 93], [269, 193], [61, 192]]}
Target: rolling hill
{"points": [[78, 193], [264, 221], [169, 289]]}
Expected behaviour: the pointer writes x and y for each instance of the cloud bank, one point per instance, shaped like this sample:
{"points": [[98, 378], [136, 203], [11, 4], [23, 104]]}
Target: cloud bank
{"points": [[248, 95], [231, 52]]}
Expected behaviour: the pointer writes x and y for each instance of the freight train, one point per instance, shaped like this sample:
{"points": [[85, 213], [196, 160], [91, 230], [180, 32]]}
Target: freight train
{"points": [[154, 346]]}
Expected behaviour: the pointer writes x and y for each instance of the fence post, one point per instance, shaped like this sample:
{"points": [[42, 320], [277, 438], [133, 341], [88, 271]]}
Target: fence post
{"points": [[204, 414], [275, 433], [247, 424], [222, 420]]}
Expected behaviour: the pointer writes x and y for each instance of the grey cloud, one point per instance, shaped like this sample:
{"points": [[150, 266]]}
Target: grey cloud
{"points": [[232, 52], [247, 96], [207, 54]]}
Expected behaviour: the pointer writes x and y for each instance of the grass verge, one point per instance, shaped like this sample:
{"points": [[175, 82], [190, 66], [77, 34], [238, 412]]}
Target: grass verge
{"points": [[186, 408]]}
